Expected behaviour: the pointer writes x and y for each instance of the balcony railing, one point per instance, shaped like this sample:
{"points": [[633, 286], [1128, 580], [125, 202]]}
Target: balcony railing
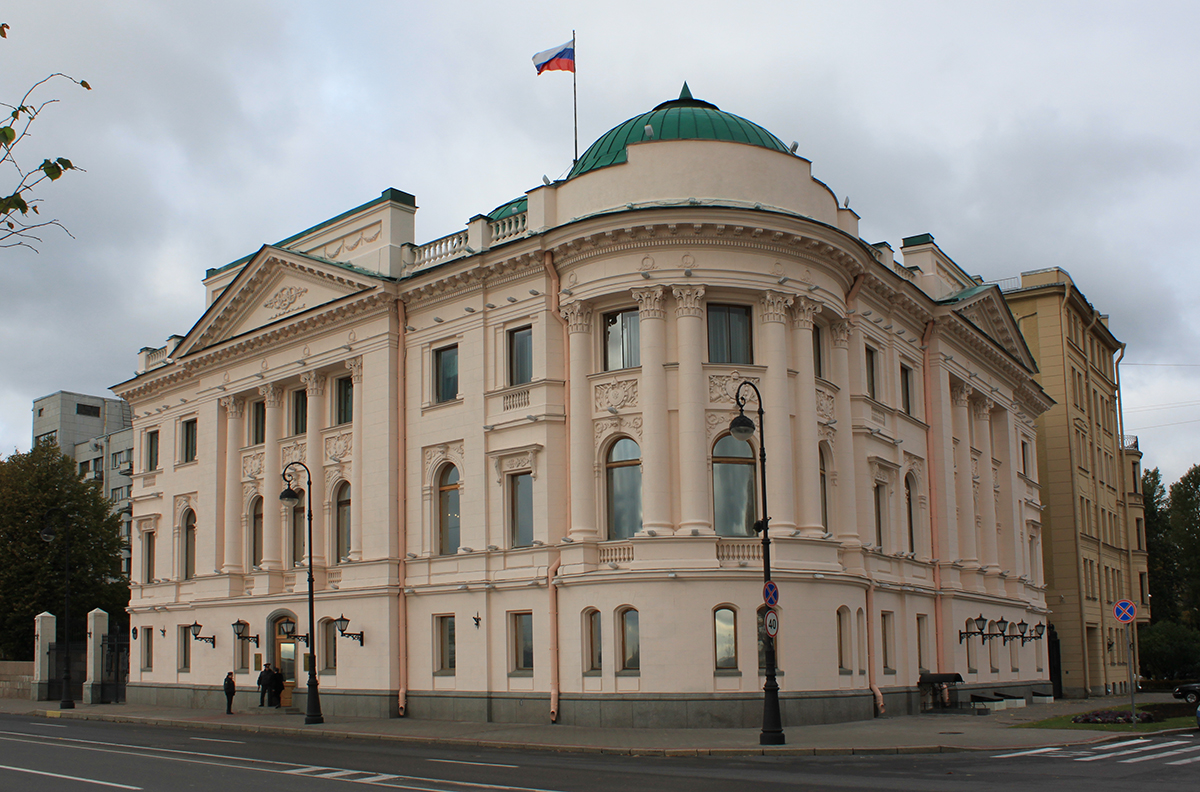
{"points": [[1129, 442]]}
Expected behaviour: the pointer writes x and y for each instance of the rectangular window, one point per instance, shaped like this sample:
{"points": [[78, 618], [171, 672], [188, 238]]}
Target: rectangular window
{"points": [[148, 556], [242, 655], [85, 468], [906, 389], [188, 441], [622, 340], [887, 635], [98, 464], [818, 355], [258, 422], [520, 356], [185, 648], [870, 361], [522, 642], [922, 643], [1025, 458], [329, 636], [594, 661], [152, 450], [444, 663], [48, 438], [147, 648], [520, 494], [631, 641], [1142, 587], [299, 412], [344, 404], [729, 334], [880, 514], [1141, 533], [445, 374], [90, 410]]}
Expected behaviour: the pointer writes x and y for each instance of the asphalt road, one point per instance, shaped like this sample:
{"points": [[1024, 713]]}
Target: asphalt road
{"points": [[78, 756]]}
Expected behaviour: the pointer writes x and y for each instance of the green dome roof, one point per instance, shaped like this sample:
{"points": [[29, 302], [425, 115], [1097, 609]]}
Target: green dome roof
{"points": [[684, 118]]}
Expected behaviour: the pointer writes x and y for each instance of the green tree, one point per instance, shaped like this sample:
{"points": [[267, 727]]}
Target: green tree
{"points": [[1162, 562], [1169, 650], [20, 217], [43, 487], [1185, 543]]}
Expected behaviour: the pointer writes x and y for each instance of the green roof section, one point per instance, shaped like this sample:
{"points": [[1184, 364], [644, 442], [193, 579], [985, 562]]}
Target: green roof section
{"points": [[514, 207], [685, 118], [919, 239]]}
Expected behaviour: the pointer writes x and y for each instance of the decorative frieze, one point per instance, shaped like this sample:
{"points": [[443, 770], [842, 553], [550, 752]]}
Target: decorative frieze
{"points": [[284, 300], [825, 405], [516, 460], [623, 393], [624, 424], [296, 452], [722, 388], [252, 465], [339, 446]]}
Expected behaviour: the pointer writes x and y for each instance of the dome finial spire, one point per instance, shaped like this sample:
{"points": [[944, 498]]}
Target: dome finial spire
{"points": [[686, 92]]}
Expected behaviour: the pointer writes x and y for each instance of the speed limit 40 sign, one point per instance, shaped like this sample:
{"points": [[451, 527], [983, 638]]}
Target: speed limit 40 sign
{"points": [[771, 622]]}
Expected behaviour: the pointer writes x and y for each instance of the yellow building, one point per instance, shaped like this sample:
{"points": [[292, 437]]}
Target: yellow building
{"points": [[1095, 539]]}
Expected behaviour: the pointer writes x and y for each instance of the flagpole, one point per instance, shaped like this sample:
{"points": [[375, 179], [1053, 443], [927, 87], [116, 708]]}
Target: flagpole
{"points": [[575, 97]]}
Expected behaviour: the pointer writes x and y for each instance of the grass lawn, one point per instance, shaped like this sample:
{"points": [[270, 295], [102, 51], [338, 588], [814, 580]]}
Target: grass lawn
{"points": [[1064, 722]]}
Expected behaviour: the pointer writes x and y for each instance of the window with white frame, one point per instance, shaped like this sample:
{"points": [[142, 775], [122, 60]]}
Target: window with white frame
{"points": [[593, 642], [622, 340], [520, 356], [725, 639], [729, 339], [623, 473], [445, 374], [449, 512], [630, 640], [520, 502], [521, 638], [733, 487], [445, 660]]}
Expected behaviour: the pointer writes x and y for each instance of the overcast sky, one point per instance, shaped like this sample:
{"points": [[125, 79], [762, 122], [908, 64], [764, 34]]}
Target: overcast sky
{"points": [[1021, 135]]}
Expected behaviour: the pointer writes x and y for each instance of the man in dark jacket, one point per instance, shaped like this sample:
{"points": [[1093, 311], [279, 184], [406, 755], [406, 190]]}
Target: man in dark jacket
{"points": [[276, 688], [230, 689], [264, 684]]}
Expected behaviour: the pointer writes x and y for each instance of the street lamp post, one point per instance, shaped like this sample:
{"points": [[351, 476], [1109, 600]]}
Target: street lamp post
{"points": [[47, 535], [742, 428], [290, 498]]}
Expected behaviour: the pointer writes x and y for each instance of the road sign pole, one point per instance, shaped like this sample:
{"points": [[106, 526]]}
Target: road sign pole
{"points": [[1129, 661]]}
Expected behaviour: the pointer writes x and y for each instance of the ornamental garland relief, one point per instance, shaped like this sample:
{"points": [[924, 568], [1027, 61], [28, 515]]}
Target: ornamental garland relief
{"points": [[296, 452], [252, 465], [339, 446], [443, 452], [623, 393], [284, 300], [182, 504], [626, 425], [249, 493], [334, 474], [717, 422], [722, 388], [825, 408]]}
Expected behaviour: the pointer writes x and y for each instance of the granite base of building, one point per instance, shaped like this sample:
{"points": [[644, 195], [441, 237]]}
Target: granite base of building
{"points": [[346, 703]]}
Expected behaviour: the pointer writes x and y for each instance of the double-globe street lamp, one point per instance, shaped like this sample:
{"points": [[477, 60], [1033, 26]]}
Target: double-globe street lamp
{"points": [[290, 498], [742, 428], [47, 534]]}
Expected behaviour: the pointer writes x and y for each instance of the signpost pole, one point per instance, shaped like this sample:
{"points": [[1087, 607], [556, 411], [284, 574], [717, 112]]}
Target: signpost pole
{"points": [[1129, 662]]}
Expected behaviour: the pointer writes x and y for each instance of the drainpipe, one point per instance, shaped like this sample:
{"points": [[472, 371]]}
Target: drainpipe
{"points": [[1134, 648], [402, 611], [935, 547], [555, 310], [879, 708]]}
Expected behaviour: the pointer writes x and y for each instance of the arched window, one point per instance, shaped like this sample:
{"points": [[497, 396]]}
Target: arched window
{"points": [[189, 544], [972, 662], [298, 529], [733, 487], [861, 634], [328, 655], [624, 472], [1014, 648], [824, 489], [910, 512], [256, 532], [342, 504], [449, 516], [631, 646], [725, 638], [993, 649], [845, 646]]}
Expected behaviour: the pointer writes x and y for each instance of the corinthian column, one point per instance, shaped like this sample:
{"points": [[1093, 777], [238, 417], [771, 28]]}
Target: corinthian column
{"points": [[272, 467], [578, 316], [695, 500], [843, 441], [235, 409], [314, 389], [773, 317], [987, 485], [809, 476], [357, 496], [656, 456], [964, 483]]}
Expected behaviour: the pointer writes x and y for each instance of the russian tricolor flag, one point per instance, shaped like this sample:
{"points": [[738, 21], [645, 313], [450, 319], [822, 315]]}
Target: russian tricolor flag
{"points": [[561, 58]]}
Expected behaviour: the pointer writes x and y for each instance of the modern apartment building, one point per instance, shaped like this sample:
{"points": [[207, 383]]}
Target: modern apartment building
{"points": [[1095, 539]]}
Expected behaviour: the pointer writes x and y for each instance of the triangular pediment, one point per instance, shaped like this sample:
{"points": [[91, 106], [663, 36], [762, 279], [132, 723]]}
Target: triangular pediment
{"points": [[273, 286], [988, 312]]}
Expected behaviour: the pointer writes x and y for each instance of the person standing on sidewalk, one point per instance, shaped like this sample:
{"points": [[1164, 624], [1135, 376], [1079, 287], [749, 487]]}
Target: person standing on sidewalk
{"points": [[264, 684], [230, 689], [275, 699]]}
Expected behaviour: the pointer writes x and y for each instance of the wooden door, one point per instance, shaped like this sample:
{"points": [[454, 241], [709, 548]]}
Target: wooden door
{"points": [[285, 663]]}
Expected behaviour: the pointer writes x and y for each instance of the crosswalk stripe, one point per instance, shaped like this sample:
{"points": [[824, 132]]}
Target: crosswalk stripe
{"points": [[1151, 747], [1185, 761], [306, 770], [1024, 753], [1148, 757], [375, 779], [338, 773], [1110, 746]]}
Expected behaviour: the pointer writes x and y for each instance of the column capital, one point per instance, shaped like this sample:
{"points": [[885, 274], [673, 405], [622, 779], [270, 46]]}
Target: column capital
{"points": [[689, 300], [774, 306], [983, 409], [314, 383], [839, 333], [803, 311], [650, 302], [961, 395], [271, 393], [235, 406], [578, 315], [355, 366]]}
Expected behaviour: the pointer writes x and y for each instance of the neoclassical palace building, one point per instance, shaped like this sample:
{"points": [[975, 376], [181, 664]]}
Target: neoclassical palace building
{"points": [[525, 497]]}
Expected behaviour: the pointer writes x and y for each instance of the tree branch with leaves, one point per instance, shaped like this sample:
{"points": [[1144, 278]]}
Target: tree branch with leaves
{"points": [[20, 218]]}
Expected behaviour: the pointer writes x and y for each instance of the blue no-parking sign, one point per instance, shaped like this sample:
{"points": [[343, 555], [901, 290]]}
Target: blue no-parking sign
{"points": [[771, 593], [1125, 611]]}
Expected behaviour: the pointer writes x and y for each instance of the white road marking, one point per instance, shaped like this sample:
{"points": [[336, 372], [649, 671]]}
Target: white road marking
{"points": [[1185, 761], [480, 764], [1110, 746], [1023, 753], [1148, 757], [375, 779], [67, 777], [1152, 747], [48, 725], [214, 739]]}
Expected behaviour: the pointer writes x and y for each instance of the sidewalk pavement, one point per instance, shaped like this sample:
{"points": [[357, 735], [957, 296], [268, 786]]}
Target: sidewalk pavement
{"points": [[908, 734]]}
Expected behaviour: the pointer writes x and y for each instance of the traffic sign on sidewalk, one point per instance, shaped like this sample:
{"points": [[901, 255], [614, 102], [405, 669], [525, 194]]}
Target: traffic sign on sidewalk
{"points": [[1125, 611], [771, 621], [771, 593]]}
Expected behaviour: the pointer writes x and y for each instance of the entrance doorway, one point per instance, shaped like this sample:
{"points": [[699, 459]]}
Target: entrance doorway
{"points": [[285, 661]]}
